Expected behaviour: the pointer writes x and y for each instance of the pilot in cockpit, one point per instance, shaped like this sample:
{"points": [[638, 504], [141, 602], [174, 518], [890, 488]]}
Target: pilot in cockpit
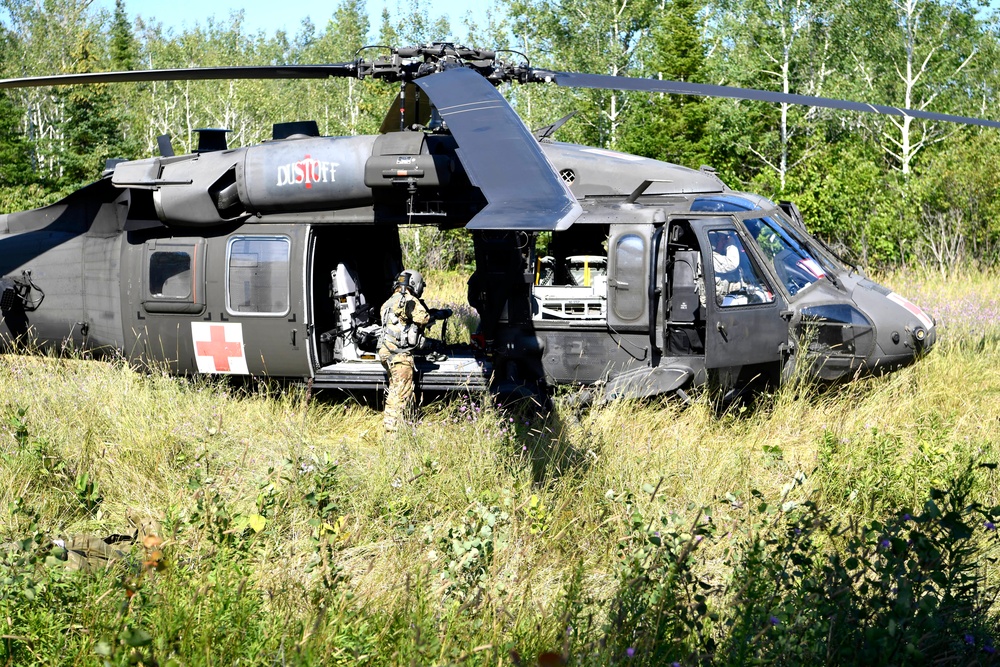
{"points": [[735, 284], [725, 265]]}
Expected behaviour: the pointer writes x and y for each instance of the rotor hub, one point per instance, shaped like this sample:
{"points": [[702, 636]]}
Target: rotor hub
{"points": [[414, 62]]}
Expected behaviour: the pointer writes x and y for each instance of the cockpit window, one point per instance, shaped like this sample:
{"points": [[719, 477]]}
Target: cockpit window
{"points": [[737, 281], [792, 261]]}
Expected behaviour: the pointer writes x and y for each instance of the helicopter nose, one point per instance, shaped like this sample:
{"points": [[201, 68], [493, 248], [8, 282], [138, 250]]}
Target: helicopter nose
{"points": [[923, 339], [920, 328], [904, 332]]}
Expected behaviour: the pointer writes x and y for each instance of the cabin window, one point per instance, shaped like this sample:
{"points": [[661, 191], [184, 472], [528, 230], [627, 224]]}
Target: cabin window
{"points": [[174, 279], [170, 274], [257, 275], [630, 279]]}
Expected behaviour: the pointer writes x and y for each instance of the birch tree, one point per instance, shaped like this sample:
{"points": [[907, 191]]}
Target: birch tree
{"points": [[46, 36], [916, 54], [595, 36], [344, 106], [780, 45]]}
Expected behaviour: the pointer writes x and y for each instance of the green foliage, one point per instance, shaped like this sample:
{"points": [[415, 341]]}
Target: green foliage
{"points": [[291, 521], [122, 44], [907, 589], [26, 197], [15, 150], [846, 199], [35, 589], [917, 55], [427, 248], [774, 46], [88, 492], [660, 608], [214, 519], [879, 470], [597, 36], [79, 489], [413, 24], [675, 127], [957, 223], [329, 527], [466, 549], [884, 191], [92, 125], [538, 515]]}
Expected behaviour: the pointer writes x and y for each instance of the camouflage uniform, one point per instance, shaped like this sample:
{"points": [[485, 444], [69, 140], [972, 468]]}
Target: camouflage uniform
{"points": [[404, 316], [90, 553]]}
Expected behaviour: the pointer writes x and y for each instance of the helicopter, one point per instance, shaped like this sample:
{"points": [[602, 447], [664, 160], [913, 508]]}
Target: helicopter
{"points": [[272, 259]]}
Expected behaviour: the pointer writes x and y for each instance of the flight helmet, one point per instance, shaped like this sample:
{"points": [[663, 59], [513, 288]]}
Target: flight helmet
{"points": [[412, 280]]}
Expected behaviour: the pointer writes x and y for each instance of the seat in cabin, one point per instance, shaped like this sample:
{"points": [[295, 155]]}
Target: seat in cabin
{"points": [[357, 327]]}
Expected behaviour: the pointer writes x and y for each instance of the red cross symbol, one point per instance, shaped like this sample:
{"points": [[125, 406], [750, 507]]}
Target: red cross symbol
{"points": [[218, 348]]}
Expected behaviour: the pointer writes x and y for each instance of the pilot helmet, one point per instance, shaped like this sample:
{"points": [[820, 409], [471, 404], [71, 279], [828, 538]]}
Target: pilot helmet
{"points": [[411, 279]]}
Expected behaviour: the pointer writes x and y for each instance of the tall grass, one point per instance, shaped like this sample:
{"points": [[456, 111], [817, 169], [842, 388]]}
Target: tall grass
{"points": [[642, 531]]}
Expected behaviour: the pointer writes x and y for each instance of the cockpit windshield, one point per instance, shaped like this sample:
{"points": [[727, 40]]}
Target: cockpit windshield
{"points": [[789, 255], [798, 261]]}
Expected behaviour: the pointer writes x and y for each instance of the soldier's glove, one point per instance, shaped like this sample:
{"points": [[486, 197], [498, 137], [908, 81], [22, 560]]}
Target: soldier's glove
{"points": [[441, 313]]}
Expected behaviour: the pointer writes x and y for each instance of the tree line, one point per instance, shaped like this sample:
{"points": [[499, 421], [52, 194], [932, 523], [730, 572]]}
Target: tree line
{"points": [[882, 189]]}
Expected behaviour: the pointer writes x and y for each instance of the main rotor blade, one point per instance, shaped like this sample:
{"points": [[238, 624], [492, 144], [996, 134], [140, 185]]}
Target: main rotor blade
{"points": [[500, 156], [604, 81], [190, 74]]}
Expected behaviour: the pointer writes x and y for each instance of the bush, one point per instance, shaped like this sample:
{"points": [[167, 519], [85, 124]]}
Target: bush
{"points": [[909, 589]]}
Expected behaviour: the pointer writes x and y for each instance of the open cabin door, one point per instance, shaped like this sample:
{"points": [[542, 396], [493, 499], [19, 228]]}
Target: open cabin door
{"points": [[629, 256]]}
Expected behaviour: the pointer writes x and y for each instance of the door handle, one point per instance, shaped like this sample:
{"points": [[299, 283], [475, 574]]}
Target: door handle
{"points": [[722, 330]]}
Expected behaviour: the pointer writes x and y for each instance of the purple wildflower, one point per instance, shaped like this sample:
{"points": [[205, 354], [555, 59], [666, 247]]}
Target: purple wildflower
{"points": [[990, 525], [969, 639], [630, 652], [774, 620]]}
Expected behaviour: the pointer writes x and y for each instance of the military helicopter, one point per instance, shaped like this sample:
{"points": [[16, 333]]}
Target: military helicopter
{"points": [[272, 259]]}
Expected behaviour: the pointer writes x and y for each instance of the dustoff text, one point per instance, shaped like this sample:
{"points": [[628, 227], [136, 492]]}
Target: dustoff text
{"points": [[306, 172]]}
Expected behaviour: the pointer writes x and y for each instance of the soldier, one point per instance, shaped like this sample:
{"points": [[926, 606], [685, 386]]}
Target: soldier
{"points": [[404, 317], [735, 284]]}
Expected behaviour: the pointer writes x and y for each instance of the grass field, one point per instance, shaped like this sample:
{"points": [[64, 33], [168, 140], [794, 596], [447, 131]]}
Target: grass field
{"points": [[845, 525]]}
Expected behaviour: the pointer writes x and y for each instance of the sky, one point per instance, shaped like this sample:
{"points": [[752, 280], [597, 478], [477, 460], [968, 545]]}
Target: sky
{"points": [[272, 15]]}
